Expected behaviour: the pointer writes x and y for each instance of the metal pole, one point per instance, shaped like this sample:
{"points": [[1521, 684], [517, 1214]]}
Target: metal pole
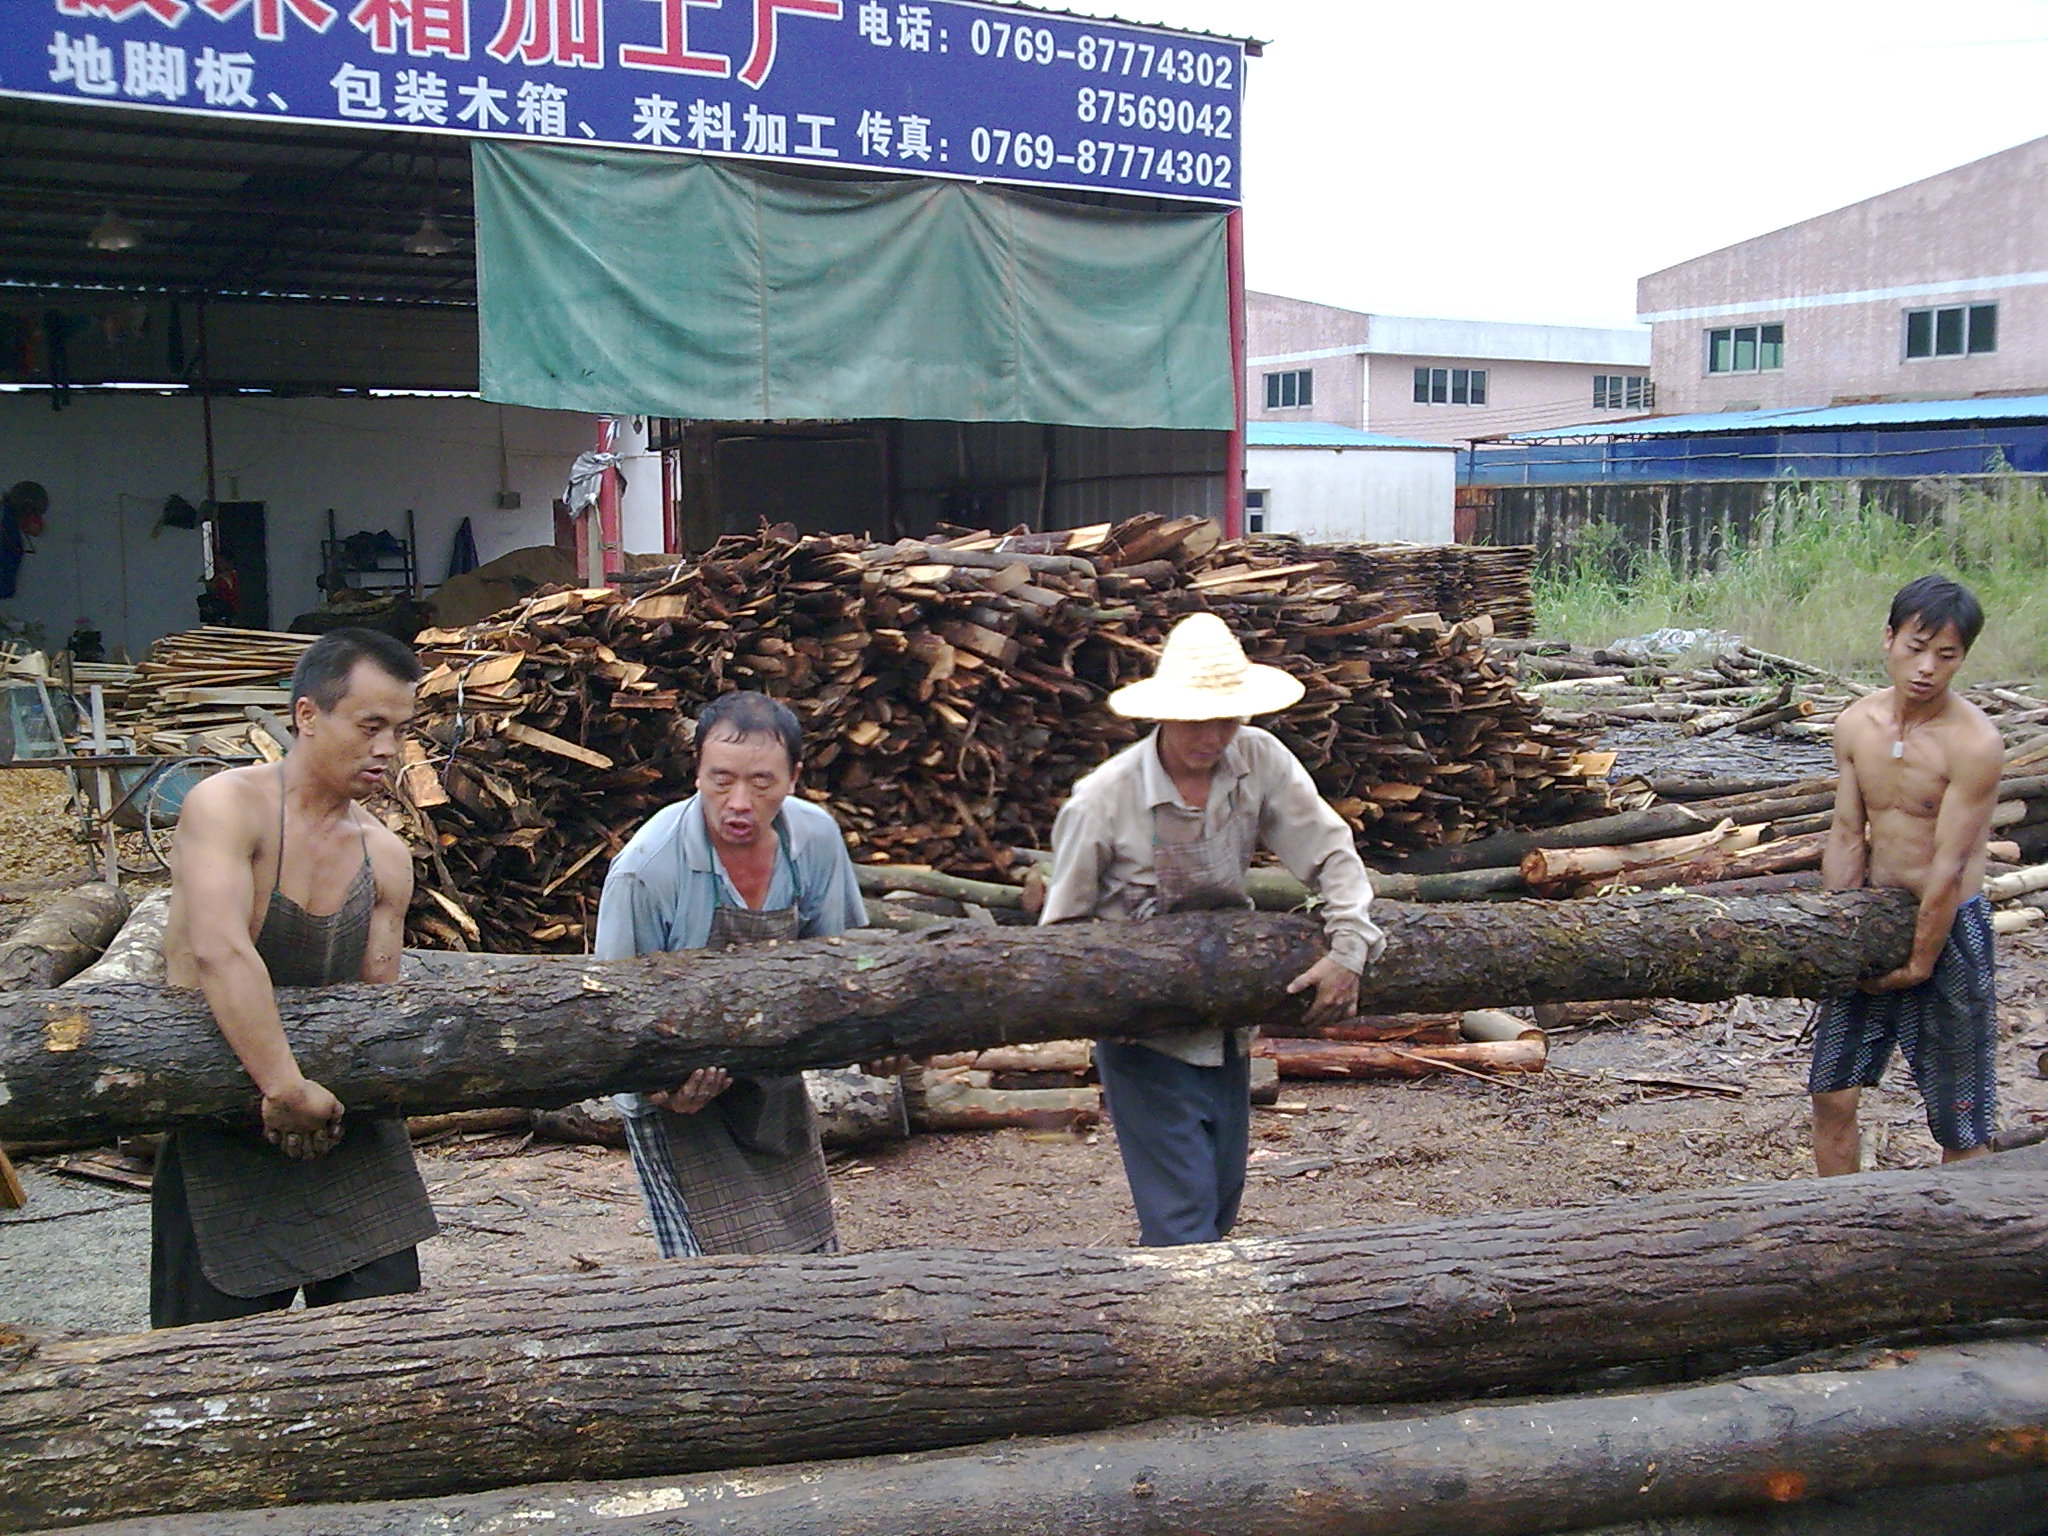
{"points": [[1233, 455], [103, 786]]}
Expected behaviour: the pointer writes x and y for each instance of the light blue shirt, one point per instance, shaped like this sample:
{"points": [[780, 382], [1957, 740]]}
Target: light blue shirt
{"points": [[666, 884]]}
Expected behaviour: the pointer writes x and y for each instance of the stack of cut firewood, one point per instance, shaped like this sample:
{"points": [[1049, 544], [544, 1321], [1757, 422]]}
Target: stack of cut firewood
{"points": [[192, 692], [951, 693], [1455, 581]]}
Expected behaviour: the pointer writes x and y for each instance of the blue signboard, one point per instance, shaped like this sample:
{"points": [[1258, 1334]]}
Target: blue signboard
{"points": [[927, 87]]}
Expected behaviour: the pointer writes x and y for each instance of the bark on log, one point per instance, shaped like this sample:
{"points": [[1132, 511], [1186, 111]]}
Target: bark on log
{"points": [[1760, 1443], [723, 1363], [856, 1109], [1315, 1060], [136, 953], [537, 1032], [62, 939], [954, 1106], [1543, 867]]}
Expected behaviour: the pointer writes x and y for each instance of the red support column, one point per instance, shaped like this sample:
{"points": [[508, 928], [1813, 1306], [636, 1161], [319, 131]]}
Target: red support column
{"points": [[1233, 457], [610, 542]]}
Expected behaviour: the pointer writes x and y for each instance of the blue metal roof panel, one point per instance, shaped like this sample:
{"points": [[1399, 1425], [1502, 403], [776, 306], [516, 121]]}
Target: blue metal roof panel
{"points": [[1890, 413], [1323, 434]]}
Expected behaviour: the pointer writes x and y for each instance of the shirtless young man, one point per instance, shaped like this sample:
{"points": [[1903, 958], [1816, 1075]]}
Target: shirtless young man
{"points": [[280, 878], [1919, 778]]}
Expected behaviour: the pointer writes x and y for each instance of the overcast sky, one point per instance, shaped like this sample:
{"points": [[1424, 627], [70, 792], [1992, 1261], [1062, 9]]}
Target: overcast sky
{"points": [[1523, 160]]}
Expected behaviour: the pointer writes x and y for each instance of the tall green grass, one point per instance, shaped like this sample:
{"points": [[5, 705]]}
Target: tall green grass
{"points": [[1817, 580]]}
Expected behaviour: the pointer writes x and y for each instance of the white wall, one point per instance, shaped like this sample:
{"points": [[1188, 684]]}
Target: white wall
{"points": [[110, 460], [1357, 495]]}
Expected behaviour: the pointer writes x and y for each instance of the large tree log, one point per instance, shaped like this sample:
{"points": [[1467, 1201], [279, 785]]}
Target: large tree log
{"points": [[724, 1363], [1761, 1442], [136, 953], [536, 1032], [1347, 1059], [62, 939]]}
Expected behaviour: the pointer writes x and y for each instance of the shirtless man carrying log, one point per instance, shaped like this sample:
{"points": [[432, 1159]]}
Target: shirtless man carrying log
{"points": [[281, 878], [1919, 774]]}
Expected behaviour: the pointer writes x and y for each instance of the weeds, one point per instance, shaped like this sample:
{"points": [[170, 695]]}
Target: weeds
{"points": [[1817, 579]]}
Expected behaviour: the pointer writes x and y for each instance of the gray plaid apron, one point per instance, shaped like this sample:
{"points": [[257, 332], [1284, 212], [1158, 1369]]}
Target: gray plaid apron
{"points": [[746, 1171], [264, 1222], [1193, 873]]}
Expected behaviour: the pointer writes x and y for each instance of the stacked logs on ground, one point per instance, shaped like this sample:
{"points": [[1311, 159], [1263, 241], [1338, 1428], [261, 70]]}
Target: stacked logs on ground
{"points": [[669, 1371], [1937, 1442], [951, 693], [1748, 841], [537, 1031], [1482, 1041], [63, 938], [1739, 690]]}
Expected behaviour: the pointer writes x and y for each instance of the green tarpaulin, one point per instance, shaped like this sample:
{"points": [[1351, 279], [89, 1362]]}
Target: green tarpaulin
{"points": [[666, 285]]}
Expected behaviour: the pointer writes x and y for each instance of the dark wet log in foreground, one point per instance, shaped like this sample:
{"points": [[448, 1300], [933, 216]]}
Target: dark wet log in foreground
{"points": [[1942, 1416], [723, 1363], [537, 1032]]}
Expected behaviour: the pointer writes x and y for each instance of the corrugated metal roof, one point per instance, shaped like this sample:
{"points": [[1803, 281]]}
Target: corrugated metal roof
{"points": [[1322, 434], [1831, 418]]}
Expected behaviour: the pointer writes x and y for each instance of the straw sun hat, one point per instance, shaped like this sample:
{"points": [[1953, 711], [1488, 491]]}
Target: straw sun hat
{"points": [[1203, 675]]}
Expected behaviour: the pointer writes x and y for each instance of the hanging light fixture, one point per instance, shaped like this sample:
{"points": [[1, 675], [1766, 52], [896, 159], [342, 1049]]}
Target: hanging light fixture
{"points": [[430, 239], [113, 233]]}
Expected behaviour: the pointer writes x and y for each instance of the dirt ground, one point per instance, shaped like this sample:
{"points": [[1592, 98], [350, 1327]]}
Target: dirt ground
{"points": [[75, 1260]]}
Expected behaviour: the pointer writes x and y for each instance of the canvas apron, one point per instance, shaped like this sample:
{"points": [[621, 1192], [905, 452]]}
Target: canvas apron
{"points": [[264, 1222], [1193, 873], [749, 1165]]}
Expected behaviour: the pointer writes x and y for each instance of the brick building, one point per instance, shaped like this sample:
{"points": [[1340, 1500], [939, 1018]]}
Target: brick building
{"points": [[1933, 291], [1440, 381]]}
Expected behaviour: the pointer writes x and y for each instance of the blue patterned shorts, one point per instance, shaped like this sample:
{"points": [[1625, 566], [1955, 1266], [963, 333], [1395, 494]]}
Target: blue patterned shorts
{"points": [[1946, 1027]]}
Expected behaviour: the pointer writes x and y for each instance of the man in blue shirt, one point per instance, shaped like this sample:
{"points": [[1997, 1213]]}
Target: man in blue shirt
{"points": [[731, 1163]]}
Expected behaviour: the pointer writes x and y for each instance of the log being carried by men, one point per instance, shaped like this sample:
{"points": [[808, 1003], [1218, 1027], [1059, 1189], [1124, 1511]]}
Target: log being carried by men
{"points": [[670, 1370], [534, 1031]]}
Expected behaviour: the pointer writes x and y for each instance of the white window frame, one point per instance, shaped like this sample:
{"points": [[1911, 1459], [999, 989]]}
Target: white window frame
{"points": [[1299, 383], [1450, 386]]}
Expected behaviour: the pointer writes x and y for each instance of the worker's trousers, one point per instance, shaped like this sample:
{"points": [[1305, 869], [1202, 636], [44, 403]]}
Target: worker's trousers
{"points": [[1183, 1131]]}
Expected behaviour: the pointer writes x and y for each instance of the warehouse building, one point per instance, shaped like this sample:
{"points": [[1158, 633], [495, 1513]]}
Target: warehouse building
{"points": [[358, 295], [1440, 381], [1933, 291]]}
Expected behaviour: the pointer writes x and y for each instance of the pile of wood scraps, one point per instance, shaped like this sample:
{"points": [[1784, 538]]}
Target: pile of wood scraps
{"points": [[1458, 581], [951, 693], [194, 692]]}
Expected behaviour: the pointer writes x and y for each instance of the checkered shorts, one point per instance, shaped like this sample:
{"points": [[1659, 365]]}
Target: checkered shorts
{"points": [[1946, 1027]]}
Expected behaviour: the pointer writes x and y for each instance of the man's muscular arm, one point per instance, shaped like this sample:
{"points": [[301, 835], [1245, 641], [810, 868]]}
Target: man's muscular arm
{"points": [[1960, 828], [391, 863], [215, 875], [1846, 859]]}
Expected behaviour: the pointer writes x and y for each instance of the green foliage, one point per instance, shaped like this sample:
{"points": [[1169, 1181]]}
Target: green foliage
{"points": [[1817, 579]]}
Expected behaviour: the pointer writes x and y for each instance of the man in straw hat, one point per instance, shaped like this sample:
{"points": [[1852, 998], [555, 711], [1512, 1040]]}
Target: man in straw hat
{"points": [[1169, 825]]}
